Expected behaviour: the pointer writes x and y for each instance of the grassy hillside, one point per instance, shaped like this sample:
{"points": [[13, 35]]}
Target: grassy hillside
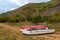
{"points": [[37, 8], [49, 12]]}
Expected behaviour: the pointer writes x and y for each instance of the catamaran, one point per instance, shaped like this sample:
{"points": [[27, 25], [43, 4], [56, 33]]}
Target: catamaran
{"points": [[38, 29]]}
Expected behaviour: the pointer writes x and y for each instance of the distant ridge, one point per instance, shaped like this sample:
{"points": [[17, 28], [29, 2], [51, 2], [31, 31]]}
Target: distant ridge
{"points": [[38, 8]]}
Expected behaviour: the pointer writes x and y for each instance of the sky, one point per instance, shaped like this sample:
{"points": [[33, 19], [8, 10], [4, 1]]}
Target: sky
{"points": [[7, 5]]}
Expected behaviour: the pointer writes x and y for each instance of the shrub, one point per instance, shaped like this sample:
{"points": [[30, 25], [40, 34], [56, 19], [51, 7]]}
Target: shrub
{"points": [[3, 18], [12, 19], [36, 18]]}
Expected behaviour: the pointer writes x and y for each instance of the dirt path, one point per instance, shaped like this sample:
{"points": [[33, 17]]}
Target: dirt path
{"points": [[55, 36]]}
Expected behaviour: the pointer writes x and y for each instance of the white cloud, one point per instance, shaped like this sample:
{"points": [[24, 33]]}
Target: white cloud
{"points": [[12, 8], [19, 2], [23, 2], [2, 8]]}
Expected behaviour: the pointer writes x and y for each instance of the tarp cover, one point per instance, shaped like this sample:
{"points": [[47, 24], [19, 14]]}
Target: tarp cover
{"points": [[31, 27]]}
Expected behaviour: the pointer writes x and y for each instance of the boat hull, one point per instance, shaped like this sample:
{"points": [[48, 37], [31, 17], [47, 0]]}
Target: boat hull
{"points": [[32, 32]]}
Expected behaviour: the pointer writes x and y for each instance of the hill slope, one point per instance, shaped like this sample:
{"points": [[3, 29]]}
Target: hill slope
{"points": [[49, 12], [37, 8]]}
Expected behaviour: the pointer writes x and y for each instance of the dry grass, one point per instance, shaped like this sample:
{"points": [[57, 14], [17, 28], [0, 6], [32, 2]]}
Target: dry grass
{"points": [[19, 24], [55, 26], [7, 32]]}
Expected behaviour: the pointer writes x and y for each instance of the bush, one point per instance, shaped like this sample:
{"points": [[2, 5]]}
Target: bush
{"points": [[16, 18], [44, 18], [12, 19], [29, 18], [3, 18], [36, 19]]}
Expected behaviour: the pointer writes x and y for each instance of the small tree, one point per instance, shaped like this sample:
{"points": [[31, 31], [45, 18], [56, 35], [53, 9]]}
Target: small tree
{"points": [[3, 18], [29, 18], [36, 19], [12, 19], [19, 18]]}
